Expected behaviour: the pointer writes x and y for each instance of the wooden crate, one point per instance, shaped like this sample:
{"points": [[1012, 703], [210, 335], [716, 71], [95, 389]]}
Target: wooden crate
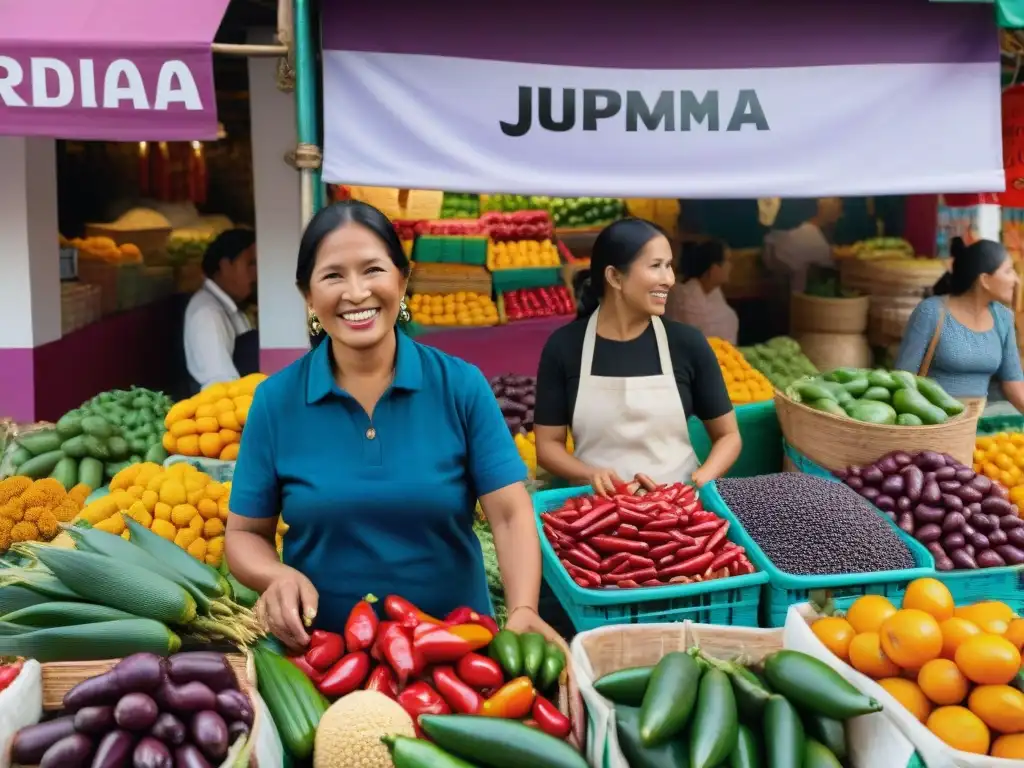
{"points": [[449, 278], [152, 243], [118, 283]]}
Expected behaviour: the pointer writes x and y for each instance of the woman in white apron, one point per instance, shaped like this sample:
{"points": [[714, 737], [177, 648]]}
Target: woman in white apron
{"points": [[624, 380]]}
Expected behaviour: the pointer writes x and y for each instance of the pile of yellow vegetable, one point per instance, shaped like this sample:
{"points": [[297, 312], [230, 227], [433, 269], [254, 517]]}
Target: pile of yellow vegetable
{"points": [[210, 424], [32, 510], [1000, 457], [745, 383]]}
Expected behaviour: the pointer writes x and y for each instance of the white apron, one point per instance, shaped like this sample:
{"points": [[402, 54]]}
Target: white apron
{"points": [[632, 424]]}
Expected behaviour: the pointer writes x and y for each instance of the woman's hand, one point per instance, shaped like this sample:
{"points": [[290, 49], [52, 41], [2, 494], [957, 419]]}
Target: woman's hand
{"points": [[287, 607], [604, 481], [700, 478]]}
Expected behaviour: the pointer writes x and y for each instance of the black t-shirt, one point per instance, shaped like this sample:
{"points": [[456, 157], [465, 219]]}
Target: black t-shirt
{"points": [[697, 374]]}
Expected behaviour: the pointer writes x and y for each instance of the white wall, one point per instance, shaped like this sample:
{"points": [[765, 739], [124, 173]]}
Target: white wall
{"points": [[29, 253], [276, 186]]}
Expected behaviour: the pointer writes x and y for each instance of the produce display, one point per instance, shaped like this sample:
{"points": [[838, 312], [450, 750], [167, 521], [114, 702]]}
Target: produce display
{"points": [[521, 225], [148, 711], [883, 248], [809, 525], [528, 303], [1001, 459], [877, 397], [565, 211], [516, 395], [781, 361], [210, 424], [178, 503], [103, 249], [700, 711], [745, 383], [642, 539], [465, 308], [92, 443], [188, 246], [956, 669], [825, 283], [522, 254], [964, 518], [447, 227], [32, 510], [456, 205]]}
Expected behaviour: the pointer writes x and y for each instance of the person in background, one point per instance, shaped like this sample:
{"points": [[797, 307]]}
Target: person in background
{"points": [[698, 300], [791, 252], [625, 381], [220, 341], [963, 337]]}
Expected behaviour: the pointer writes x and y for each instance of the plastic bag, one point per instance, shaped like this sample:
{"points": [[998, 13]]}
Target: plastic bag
{"points": [[21, 705], [9, 434], [220, 471]]}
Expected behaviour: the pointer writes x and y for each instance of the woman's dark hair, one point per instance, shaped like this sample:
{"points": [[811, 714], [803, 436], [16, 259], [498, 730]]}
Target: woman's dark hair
{"points": [[331, 218], [969, 263], [229, 245], [698, 258], [617, 246]]}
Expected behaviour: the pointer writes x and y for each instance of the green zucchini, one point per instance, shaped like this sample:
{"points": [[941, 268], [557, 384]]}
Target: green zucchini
{"points": [[118, 448], [843, 375], [625, 686], [813, 685], [912, 401], [713, 734], [747, 753], [95, 447], [506, 650], [881, 378], [40, 442], [499, 743], [418, 753], [66, 473], [669, 699], [551, 669], [857, 387], [671, 754], [908, 420], [19, 456], [90, 472], [881, 394], [751, 693], [41, 465], [817, 755], [294, 703], [937, 396], [872, 412], [70, 425], [829, 732], [812, 390], [783, 734], [97, 426], [74, 447], [904, 380], [533, 646]]}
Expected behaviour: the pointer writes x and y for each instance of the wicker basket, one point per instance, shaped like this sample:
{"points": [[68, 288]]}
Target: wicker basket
{"points": [[835, 442], [118, 284], [835, 350], [81, 304], [894, 277], [442, 279], [152, 243], [888, 318], [815, 314]]}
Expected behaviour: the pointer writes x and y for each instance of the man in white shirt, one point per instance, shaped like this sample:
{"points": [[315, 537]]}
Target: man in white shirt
{"points": [[220, 342], [792, 252]]}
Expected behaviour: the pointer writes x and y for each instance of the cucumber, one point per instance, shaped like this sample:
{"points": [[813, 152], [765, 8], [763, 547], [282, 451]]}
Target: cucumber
{"points": [[70, 425], [814, 686], [499, 743], [551, 668], [881, 394], [118, 448], [533, 646], [97, 426], [40, 442], [857, 387], [90, 472], [713, 734], [418, 753], [95, 447], [625, 686], [747, 753], [671, 754], [817, 755], [669, 699], [19, 456], [783, 734], [505, 650], [831, 733], [40, 466], [294, 703], [66, 473], [751, 694], [75, 447], [908, 420]]}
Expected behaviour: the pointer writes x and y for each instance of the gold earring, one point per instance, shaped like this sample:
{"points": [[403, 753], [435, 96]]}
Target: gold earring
{"points": [[404, 315], [313, 324]]}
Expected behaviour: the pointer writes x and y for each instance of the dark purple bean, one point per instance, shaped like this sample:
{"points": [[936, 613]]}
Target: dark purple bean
{"points": [[885, 503], [968, 494], [945, 474], [870, 493], [978, 540], [893, 485], [982, 523], [944, 564], [981, 483], [904, 504], [854, 482], [965, 474], [993, 505], [997, 538], [936, 549], [913, 482], [887, 466], [906, 522], [1010, 522], [949, 486], [962, 560], [928, 533], [872, 475], [927, 514], [954, 521], [972, 509], [931, 494], [953, 541], [989, 558], [998, 489], [952, 503], [969, 549], [929, 460], [1011, 554], [902, 458]]}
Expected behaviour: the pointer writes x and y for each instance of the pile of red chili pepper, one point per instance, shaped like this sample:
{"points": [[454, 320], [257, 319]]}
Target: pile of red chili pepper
{"points": [[8, 674], [650, 538], [432, 666]]}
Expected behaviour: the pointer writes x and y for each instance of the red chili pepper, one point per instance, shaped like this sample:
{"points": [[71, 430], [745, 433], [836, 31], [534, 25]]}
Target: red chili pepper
{"points": [[377, 649], [655, 537], [462, 699], [345, 676], [633, 517], [361, 626], [442, 646], [641, 575], [461, 615], [549, 533], [569, 514], [694, 565], [588, 550], [662, 550], [671, 493], [300, 661], [557, 523], [401, 654], [420, 698], [622, 567], [423, 629], [707, 527], [319, 637], [382, 680], [663, 523], [627, 531], [576, 557], [685, 539], [582, 576], [605, 524], [9, 673], [591, 517], [480, 671], [512, 701], [405, 613], [610, 563], [627, 584], [652, 583], [325, 655], [639, 561], [716, 538], [612, 545]]}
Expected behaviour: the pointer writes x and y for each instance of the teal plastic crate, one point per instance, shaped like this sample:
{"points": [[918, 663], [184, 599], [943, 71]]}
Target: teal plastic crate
{"points": [[990, 425], [1004, 584], [474, 251], [762, 440], [786, 589], [724, 601], [427, 249], [531, 277]]}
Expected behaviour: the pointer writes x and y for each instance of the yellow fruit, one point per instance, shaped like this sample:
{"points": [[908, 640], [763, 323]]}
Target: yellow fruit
{"points": [[210, 444], [954, 632], [113, 524], [931, 596], [942, 682], [205, 412], [188, 445], [207, 424], [140, 514], [215, 547], [215, 491], [162, 511], [165, 529], [196, 525], [182, 514], [984, 612], [125, 477], [182, 428], [911, 638], [149, 499], [207, 508], [185, 537], [172, 492], [1011, 747], [988, 660], [869, 612], [1015, 633], [961, 729], [1000, 707], [230, 452], [867, 657], [909, 695], [198, 549], [835, 634]]}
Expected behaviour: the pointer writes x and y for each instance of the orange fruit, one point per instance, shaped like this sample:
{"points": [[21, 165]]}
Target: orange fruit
{"points": [[911, 637], [866, 656], [961, 729], [954, 632], [1000, 707], [1011, 746], [994, 626], [943, 682], [931, 596], [867, 613], [909, 695], [988, 660], [835, 634], [1015, 633], [983, 612]]}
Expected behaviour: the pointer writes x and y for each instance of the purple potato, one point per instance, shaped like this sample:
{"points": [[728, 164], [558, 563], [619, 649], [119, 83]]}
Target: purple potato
{"points": [[928, 533], [931, 494], [893, 485], [870, 493], [954, 522], [842, 474], [972, 509], [965, 475], [952, 503], [993, 505], [953, 541], [927, 514], [929, 460], [962, 560], [904, 504], [998, 489], [1010, 522], [872, 475], [944, 563], [1011, 555], [968, 494], [1015, 536], [902, 458], [913, 482], [854, 470], [981, 484], [997, 537], [945, 474], [936, 549], [891, 515], [906, 522], [978, 540], [886, 465], [854, 482], [885, 503], [982, 522], [989, 558], [969, 549], [950, 486]]}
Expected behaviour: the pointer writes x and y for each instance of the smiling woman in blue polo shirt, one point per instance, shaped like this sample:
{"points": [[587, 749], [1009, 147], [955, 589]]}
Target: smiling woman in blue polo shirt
{"points": [[374, 449]]}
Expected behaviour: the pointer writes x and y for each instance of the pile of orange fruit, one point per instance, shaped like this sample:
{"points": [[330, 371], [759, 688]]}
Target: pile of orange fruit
{"points": [[956, 669], [464, 308], [745, 383], [1001, 458], [210, 424]]}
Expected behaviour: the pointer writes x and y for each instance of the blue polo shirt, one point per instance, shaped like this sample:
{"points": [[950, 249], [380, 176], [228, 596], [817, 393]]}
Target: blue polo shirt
{"points": [[382, 506]]}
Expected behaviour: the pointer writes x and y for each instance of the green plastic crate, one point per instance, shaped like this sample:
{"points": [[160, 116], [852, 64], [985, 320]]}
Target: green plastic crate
{"points": [[723, 601], [762, 440], [990, 425], [531, 277], [428, 249], [474, 251], [451, 250]]}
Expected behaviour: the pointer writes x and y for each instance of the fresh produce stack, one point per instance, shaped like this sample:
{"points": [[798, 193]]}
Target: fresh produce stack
{"points": [[185, 710], [1000, 458], [188, 246], [92, 443], [520, 226], [522, 254], [877, 397], [883, 249], [179, 504], [465, 308], [457, 205], [812, 526], [642, 539], [565, 211], [32, 510], [210, 424], [956, 669], [103, 249], [516, 396], [964, 518], [529, 303], [781, 360], [693, 709], [745, 383], [108, 598]]}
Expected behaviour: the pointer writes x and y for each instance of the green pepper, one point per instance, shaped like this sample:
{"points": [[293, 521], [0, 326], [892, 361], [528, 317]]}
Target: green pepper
{"points": [[669, 699], [908, 420], [532, 645], [783, 734], [817, 755], [843, 375], [828, 406], [904, 379], [936, 395], [751, 693], [551, 669], [829, 732], [810, 390], [815, 686], [625, 686], [912, 401], [872, 412], [881, 378], [505, 650], [747, 753], [881, 394], [857, 387], [713, 735], [671, 754], [837, 392]]}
